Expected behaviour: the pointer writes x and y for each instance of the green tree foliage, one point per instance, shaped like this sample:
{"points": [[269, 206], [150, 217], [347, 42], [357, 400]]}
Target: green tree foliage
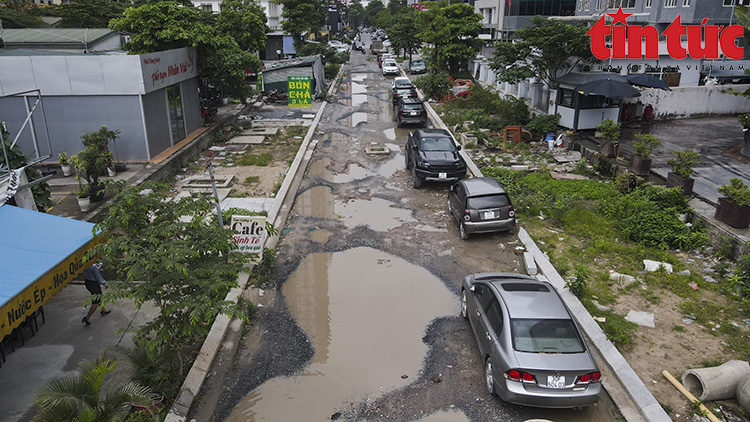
{"points": [[167, 25], [356, 13], [80, 398], [89, 13], [371, 10], [434, 86], [548, 49], [395, 6], [172, 254], [245, 21], [452, 30], [402, 31], [302, 16], [382, 19], [19, 15], [16, 160]]}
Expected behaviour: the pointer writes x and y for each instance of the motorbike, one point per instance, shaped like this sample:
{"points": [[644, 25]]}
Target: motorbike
{"points": [[274, 96], [208, 111]]}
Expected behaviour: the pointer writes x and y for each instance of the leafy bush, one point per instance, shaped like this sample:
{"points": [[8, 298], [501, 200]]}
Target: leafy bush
{"points": [[645, 144], [683, 162], [331, 70], [577, 285], [310, 49], [434, 86], [610, 130], [542, 124], [736, 192]]}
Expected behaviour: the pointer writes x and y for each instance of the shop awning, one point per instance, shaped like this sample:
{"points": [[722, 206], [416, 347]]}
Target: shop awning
{"points": [[39, 254]]}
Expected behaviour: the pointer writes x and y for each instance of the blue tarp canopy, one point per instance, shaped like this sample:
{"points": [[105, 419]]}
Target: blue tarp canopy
{"points": [[32, 244]]}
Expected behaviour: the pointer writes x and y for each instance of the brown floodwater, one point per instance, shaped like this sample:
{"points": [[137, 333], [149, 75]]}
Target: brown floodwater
{"points": [[377, 213], [365, 313], [445, 416]]}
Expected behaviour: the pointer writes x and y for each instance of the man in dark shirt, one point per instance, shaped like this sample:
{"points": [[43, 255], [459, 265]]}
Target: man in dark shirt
{"points": [[94, 282]]}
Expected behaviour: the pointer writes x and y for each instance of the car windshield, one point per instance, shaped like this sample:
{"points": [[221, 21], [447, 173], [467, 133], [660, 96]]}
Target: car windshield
{"points": [[546, 336], [412, 107], [417, 63], [437, 144], [487, 201]]}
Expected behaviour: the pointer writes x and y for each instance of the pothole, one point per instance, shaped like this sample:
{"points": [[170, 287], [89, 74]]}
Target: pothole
{"points": [[446, 416], [365, 314]]}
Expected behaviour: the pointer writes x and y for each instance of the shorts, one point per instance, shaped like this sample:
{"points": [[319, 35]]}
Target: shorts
{"points": [[95, 289]]}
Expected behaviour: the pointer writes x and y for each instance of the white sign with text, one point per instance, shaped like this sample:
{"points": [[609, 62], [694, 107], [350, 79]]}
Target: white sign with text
{"points": [[250, 234]]}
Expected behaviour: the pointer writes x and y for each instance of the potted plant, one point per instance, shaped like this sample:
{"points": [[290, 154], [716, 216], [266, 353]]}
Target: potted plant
{"points": [[611, 132], [64, 161], [733, 208], [84, 201], [682, 169], [645, 144], [95, 158]]}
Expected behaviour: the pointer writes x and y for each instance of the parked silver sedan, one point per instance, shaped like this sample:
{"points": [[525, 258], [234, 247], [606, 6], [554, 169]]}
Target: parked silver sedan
{"points": [[532, 349]]}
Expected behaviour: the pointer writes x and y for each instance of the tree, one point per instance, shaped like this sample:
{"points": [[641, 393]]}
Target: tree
{"points": [[78, 397], [395, 5], [452, 30], [171, 253], [402, 32], [17, 15], [356, 14], [548, 49], [245, 21], [302, 16], [89, 13], [371, 10], [167, 25]]}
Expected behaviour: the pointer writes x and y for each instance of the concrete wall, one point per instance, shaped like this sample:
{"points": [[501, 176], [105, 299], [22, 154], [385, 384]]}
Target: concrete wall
{"points": [[691, 101]]}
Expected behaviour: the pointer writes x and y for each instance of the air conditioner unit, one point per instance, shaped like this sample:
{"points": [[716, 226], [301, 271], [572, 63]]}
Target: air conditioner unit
{"points": [[124, 39]]}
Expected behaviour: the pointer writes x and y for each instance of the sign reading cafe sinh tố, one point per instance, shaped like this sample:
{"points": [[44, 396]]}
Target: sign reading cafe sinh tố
{"points": [[250, 234], [300, 89]]}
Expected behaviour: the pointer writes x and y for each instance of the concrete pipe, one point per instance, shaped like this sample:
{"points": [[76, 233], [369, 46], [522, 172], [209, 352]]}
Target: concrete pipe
{"points": [[717, 383], [743, 393]]}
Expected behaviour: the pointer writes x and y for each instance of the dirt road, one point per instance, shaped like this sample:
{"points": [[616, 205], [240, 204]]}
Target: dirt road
{"points": [[362, 321]]}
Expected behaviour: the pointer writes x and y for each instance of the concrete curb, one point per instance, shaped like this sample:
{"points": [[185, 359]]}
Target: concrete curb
{"points": [[198, 373]]}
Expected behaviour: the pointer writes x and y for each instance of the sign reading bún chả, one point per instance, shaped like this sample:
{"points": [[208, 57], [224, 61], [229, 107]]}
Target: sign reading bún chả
{"points": [[300, 90]]}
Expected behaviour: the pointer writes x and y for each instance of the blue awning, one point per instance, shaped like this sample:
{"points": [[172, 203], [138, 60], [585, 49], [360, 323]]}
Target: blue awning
{"points": [[37, 252]]}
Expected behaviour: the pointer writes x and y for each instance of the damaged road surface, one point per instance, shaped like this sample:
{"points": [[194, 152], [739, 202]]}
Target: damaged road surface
{"points": [[361, 317]]}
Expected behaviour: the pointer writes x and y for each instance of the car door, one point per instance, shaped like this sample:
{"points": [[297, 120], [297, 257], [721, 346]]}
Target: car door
{"points": [[457, 196], [483, 298], [408, 149]]}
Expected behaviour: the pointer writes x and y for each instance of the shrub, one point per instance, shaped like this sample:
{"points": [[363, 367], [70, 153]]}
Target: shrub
{"points": [[744, 119], [736, 192], [331, 70], [645, 144], [683, 162], [540, 125], [434, 86], [610, 130]]}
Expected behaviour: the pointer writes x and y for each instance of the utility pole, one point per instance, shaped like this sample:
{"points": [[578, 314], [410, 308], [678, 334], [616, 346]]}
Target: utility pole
{"points": [[216, 195]]}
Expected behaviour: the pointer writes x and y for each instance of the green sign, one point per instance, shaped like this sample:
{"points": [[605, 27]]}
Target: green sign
{"points": [[300, 90], [259, 83]]}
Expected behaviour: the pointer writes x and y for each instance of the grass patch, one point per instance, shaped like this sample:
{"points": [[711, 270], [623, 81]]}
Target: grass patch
{"points": [[250, 180], [263, 159]]}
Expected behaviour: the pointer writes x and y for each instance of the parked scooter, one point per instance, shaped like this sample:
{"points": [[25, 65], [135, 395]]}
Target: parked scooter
{"points": [[274, 96]]}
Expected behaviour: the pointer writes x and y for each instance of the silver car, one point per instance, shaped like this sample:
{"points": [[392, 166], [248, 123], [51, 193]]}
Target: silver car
{"points": [[532, 349]]}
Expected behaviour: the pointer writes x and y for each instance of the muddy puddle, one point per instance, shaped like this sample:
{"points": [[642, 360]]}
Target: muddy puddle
{"points": [[354, 172], [365, 314], [445, 416], [320, 235], [377, 213], [393, 165], [359, 94]]}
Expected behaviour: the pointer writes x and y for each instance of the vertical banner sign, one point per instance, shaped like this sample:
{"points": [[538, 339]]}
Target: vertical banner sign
{"points": [[259, 83], [250, 234], [299, 88]]}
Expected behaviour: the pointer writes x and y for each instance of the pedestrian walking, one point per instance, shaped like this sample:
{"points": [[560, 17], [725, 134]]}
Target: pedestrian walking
{"points": [[94, 282]]}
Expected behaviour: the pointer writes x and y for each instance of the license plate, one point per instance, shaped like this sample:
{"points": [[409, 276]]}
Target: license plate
{"points": [[413, 113], [443, 175], [488, 215], [556, 382]]}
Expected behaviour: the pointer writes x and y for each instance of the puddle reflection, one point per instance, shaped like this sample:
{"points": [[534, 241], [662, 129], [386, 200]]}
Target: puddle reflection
{"points": [[334, 298], [446, 416]]}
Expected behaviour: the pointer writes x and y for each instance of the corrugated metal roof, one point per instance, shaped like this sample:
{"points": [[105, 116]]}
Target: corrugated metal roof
{"points": [[18, 37], [296, 62]]}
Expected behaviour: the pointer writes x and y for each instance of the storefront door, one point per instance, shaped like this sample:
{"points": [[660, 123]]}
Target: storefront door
{"points": [[176, 115]]}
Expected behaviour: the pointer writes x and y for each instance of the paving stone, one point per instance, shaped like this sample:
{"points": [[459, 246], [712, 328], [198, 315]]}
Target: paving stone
{"points": [[245, 139], [268, 131], [644, 319]]}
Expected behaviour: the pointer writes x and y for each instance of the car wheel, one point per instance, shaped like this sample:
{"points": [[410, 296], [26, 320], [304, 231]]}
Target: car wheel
{"points": [[464, 307], [406, 160], [489, 378], [462, 229], [415, 180]]}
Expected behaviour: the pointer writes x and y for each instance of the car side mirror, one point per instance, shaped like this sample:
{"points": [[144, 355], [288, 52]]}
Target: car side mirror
{"points": [[458, 147], [473, 288]]}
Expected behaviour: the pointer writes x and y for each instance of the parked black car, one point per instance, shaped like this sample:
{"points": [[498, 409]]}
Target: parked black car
{"points": [[481, 205], [432, 155], [399, 93], [410, 111]]}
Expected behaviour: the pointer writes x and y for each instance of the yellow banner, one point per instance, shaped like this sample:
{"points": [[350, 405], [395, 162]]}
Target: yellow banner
{"points": [[299, 89], [13, 313]]}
